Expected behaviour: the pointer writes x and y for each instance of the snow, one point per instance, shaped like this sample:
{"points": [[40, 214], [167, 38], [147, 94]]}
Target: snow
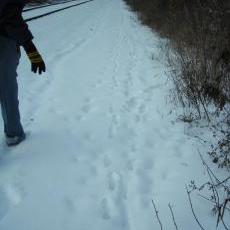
{"points": [[102, 142]]}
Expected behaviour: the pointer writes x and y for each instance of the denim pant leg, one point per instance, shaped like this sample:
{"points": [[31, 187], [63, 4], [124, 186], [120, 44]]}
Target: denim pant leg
{"points": [[9, 58]]}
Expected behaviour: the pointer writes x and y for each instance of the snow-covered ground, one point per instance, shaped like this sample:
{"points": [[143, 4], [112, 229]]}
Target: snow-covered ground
{"points": [[102, 142]]}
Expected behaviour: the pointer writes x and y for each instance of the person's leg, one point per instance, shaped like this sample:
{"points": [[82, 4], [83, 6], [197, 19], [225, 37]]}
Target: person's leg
{"points": [[9, 58]]}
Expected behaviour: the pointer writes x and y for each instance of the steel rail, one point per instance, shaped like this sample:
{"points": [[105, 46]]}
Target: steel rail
{"points": [[55, 11], [48, 5]]}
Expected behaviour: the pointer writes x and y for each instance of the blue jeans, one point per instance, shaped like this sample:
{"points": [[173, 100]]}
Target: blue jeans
{"points": [[9, 59]]}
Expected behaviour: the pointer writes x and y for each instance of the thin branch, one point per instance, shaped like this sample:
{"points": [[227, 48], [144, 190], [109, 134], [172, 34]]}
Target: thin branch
{"points": [[211, 176], [193, 212], [211, 173], [224, 225], [208, 169], [224, 181], [173, 217], [159, 221], [222, 216], [205, 198], [214, 187], [224, 207]]}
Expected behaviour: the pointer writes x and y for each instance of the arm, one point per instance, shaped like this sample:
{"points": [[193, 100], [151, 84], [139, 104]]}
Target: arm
{"points": [[16, 28], [14, 25]]}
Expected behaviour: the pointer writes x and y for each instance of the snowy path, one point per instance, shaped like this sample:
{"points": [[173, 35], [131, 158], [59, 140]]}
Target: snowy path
{"points": [[101, 142]]}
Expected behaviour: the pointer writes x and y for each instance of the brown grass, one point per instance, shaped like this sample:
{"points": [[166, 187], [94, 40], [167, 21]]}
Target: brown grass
{"points": [[199, 58], [200, 43]]}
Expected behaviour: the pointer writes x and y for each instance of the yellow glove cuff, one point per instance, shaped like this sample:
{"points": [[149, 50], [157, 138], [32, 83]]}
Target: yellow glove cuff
{"points": [[35, 57]]}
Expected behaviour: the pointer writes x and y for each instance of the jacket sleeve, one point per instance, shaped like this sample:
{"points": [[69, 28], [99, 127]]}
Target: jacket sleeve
{"points": [[14, 24]]}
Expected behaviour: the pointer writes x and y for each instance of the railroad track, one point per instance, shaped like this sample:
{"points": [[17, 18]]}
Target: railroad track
{"points": [[56, 11], [48, 5]]}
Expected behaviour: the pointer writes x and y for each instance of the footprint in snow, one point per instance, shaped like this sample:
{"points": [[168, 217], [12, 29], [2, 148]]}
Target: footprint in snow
{"points": [[4, 203], [15, 193], [71, 204], [86, 108], [113, 206], [10, 195], [97, 84], [131, 104], [145, 182], [116, 186], [127, 84], [184, 164], [105, 209], [107, 161], [148, 163], [142, 108], [130, 165], [113, 126]]}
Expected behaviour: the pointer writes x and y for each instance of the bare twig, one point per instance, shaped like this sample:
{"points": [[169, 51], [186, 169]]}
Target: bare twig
{"points": [[173, 217], [224, 224], [222, 215], [214, 184], [205, 198], [193, 212], [212, 175], [158, 218], [224, 181], [208, 168]]}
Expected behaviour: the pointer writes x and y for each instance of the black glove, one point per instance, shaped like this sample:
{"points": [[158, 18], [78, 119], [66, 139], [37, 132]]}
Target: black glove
{"points": [[37, 63]]}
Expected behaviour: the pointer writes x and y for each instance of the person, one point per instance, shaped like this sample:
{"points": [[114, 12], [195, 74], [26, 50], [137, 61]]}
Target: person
{"points": [[14, 33]]}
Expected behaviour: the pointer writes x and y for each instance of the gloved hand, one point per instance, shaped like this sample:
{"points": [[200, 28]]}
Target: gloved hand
{"points": [[37, 63]]}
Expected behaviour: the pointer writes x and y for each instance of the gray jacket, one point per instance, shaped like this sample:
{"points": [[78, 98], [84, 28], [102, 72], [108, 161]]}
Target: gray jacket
{"points": [[12, 25]]}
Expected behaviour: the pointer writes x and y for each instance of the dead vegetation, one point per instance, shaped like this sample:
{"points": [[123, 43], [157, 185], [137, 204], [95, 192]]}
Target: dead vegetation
{"points": [[198, 58], [198, 32]]}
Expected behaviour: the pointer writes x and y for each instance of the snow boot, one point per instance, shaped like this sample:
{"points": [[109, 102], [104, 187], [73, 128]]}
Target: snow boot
{"points": [[15, 140]]}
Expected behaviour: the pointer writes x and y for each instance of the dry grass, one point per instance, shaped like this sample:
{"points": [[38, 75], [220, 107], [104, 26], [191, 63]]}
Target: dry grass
{"points": [[199, 56], [199, 32]]}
